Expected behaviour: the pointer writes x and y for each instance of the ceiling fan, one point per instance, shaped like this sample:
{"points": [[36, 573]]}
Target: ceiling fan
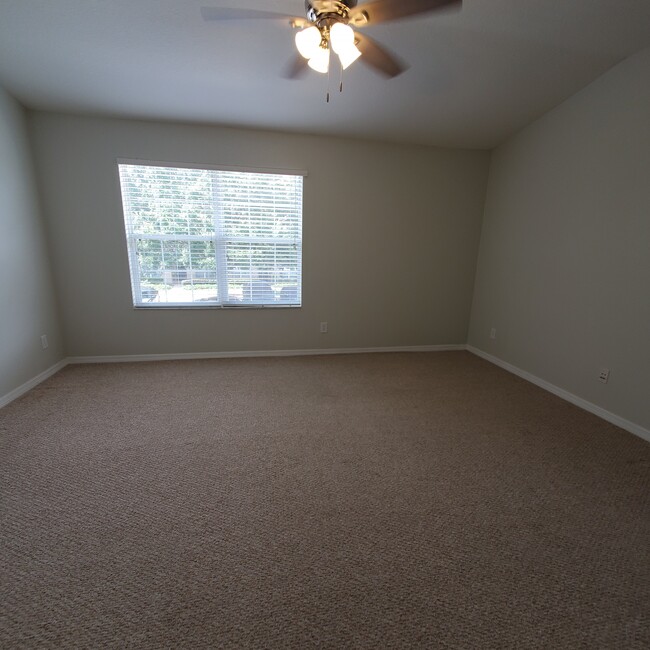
{"points": [[328, 26]]}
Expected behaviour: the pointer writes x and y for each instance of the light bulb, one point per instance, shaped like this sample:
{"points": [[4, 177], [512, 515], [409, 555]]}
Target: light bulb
{"points": [[308, 41], [349, 55], [321, 60], [341, 37]]}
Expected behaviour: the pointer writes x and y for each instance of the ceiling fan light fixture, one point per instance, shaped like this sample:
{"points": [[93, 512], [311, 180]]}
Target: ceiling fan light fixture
{"points": [[331, 24], [308, 42], [321, 60], [341, 37]]}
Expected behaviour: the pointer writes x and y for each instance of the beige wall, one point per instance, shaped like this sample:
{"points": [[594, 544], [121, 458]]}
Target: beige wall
{"points": [[27, 301], [390, 239], [564, 264]]}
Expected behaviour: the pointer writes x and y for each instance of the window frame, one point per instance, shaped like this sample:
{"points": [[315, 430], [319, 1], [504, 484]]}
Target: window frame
{"points": [[215, 238]]}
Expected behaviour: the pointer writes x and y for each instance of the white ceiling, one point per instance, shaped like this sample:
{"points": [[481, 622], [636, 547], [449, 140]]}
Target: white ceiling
{"points": [[476, 76]]}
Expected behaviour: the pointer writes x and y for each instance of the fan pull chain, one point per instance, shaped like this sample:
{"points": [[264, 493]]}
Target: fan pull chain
{"points": [[341, 79], [328, 81]]}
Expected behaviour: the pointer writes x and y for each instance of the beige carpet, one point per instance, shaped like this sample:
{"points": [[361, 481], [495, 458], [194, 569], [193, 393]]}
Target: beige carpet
{"points": [[364, 501]]}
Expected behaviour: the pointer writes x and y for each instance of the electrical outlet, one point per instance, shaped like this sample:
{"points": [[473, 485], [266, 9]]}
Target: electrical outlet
{"points": [[493, 333], [323, 328], [603, 375], [44, 342]]}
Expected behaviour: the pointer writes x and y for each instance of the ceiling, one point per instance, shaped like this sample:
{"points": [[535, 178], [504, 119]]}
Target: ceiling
{"points": [[476, 76]]}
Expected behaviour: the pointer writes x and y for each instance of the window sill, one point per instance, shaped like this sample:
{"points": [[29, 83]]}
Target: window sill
{"points": [[194, 307]]}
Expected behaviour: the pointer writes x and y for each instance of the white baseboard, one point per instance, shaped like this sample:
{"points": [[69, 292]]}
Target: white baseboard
{"points": [[126, 358], [565, 395], [34, 381]]}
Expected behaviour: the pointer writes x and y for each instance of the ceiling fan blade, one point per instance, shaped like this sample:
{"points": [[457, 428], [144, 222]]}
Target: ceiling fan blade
{"points": [[225, 13], [381, 11], [378, 57], [296, 67]]}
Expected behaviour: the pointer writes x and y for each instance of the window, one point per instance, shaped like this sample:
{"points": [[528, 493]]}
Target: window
{"points": [[212, 238]]}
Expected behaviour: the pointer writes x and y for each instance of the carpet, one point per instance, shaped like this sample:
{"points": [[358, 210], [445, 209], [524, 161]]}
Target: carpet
{"points": [[399, 500]]}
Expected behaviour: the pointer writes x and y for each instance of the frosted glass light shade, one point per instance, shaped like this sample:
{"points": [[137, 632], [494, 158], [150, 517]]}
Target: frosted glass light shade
{"points": [[321, 60], [341, 37], [308, 41], [349, 55]]}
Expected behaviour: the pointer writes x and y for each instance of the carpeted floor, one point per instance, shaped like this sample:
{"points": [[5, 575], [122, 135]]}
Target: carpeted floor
{"points": [[422, 500]]}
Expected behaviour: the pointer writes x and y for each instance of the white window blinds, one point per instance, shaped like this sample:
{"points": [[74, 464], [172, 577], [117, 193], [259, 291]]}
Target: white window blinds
{"points": [[205, 237]]}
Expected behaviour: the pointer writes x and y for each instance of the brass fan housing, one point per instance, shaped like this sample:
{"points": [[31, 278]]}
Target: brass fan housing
{"points": [[326, 12]]}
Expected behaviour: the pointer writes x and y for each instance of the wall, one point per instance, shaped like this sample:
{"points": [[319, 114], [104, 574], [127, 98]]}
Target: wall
{"points": [[27, 299], [564, 265], [390, 239]]}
